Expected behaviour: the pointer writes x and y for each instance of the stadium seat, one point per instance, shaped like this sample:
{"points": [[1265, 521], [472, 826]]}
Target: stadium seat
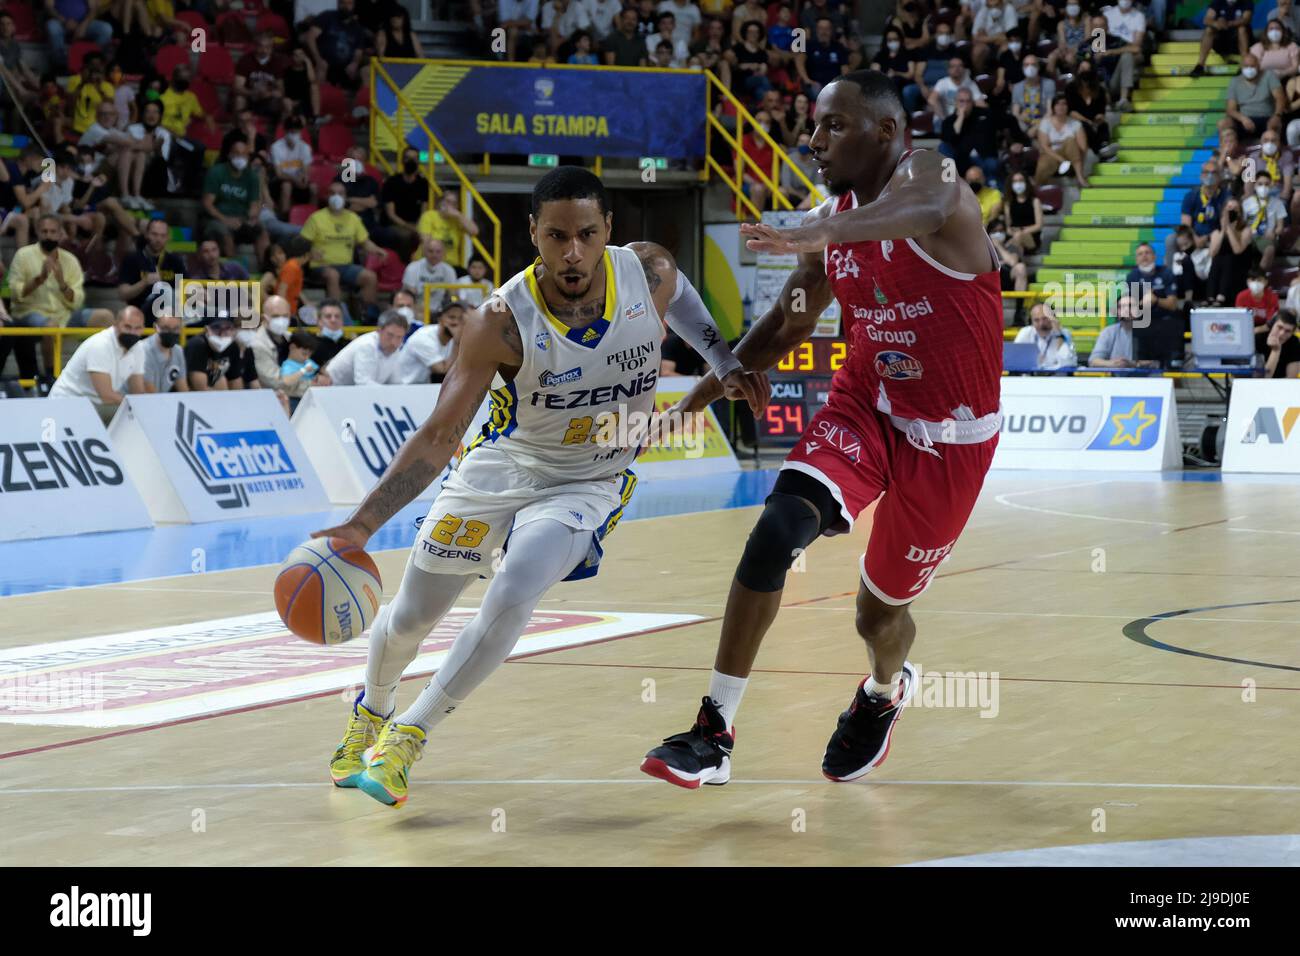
{"points": [[199, 132], [24, 22], [334, 102], [232, 27], [298, 214], [363, 98], [388, 268], [168, 58], [216, 65], [77, 52], [922, 123], [208, 98], [334, 141], [985, 83], [1052, 198], [273, 23], [322, 174], [196, 20]]}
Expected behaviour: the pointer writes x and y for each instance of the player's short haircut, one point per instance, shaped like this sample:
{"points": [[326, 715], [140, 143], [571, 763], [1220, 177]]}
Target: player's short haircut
{"points": [[569, 182], [877, 89]]}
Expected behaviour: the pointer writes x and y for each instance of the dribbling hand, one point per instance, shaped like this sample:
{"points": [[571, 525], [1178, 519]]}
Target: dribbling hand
{"points": [[350, 531]]}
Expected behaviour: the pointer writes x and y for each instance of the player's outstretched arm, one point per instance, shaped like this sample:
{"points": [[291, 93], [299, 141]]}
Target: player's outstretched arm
{"points": [[684, 311], [920, 201], [488, 340], [789, 322]]}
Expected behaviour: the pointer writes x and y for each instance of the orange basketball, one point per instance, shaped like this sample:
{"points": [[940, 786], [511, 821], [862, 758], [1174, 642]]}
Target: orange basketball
{"points": [[328, 591]]}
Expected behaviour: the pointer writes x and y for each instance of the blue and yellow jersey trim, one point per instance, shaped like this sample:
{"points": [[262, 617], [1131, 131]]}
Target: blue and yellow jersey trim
{"points": [[591, 564], [590, 336], [503, 416]]}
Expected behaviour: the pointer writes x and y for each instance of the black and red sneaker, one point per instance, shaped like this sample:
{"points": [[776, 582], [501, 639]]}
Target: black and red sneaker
{"points": [[701, 755], [861, 740]]}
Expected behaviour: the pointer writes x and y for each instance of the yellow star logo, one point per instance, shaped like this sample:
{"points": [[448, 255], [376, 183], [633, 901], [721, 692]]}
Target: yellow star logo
{"points": [[1129, 428]]}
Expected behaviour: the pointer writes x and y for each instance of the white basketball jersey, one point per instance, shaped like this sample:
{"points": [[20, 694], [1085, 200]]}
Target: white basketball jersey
{"points": [[573, 381]]}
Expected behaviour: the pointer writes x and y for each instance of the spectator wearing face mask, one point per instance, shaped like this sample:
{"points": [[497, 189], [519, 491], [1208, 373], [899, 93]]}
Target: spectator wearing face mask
{"points": [[1255, 100], [1071, 32], [1024, 212], [1287, 13], [290, 162], [213, 359], [232, 197], [404, 304], [794, 188], [1031, 96], [1190, 265], [329, 331], [433, 270], [943, 95], [162, 358], [1277, 52], [990, 200], [1009, 68], [1233, 251], [271, 345], [106, 367], [260, 75], [1279, 162], [897, 64], [1259, 298], [942, 46], [1267, 218], [1202, 208], [1153, 285], [989, 29]]}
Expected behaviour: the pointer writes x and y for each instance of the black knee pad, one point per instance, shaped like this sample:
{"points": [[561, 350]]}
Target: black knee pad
{"points": [[787, 525]]}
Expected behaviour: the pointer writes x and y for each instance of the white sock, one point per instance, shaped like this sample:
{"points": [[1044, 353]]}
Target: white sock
{"points": [[880, 690], [430, 708], [726, 692], [380, 700]]}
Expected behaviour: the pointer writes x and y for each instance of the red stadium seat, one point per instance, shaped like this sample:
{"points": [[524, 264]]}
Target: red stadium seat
{"points": [[334, 102], [322, 174], [273, 23], [1052, 198], [232, 27], [216, 65], [363, 97], [922, 123], [199, 132], [24, 22], [208, 99], [389, 269], [196, 20], [985, 83], [77, 52], [168, 58], [299, 213], [334, 141]]}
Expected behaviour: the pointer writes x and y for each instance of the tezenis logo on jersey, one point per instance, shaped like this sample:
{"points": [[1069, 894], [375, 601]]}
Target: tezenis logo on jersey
{"points": [[644, 382], [1268, 427], [897, 366], [551, 379]]}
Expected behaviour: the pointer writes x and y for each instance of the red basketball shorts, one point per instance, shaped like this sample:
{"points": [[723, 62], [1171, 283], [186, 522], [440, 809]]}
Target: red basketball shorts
{"points": [[860, 454]]}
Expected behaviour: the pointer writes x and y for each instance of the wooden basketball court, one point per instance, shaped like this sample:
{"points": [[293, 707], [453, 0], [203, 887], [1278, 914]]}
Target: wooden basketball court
{"points": [[1110, 718]]}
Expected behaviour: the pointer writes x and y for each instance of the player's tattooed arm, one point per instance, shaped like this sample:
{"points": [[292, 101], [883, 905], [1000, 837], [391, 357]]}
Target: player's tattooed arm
{"points": [[660, 272], [488, 342], [789, 322]]}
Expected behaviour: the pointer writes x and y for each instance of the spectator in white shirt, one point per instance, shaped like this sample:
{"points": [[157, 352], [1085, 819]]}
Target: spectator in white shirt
{"points": [[478, 275], [602, 14], [562, 18], [291, 159], [688, 19], [432, 268], [1044, 330], [427, 354], [105, 367], [162, 358], [1126, 21], [989, 31], [374, 358], [519, 18], [667, 24], [943, 95], [126, 152]]}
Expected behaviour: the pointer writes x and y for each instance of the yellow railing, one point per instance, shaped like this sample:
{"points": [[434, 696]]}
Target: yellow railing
{"points": [[377, 71], [736, 180]]}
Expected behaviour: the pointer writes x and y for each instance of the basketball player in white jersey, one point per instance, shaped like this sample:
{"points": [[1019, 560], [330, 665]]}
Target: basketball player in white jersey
{"points": [[576, 338]]}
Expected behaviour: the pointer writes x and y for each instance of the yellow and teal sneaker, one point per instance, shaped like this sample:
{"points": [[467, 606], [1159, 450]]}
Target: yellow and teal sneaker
{"points": [[385, 779], [349, 761]]}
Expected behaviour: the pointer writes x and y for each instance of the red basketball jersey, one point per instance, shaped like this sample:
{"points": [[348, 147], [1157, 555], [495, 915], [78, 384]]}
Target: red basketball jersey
{"points": [[924, 340]]}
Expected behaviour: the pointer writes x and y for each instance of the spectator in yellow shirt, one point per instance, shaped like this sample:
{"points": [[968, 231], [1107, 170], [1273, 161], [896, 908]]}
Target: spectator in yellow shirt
{"points": [[334, 233], [88, 89], [180, 105], [48, 290], [990, 200], [446, 222]]}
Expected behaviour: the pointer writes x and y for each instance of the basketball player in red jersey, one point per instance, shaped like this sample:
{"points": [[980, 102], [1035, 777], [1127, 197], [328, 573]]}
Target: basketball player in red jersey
{"points": [[913, 415]]}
